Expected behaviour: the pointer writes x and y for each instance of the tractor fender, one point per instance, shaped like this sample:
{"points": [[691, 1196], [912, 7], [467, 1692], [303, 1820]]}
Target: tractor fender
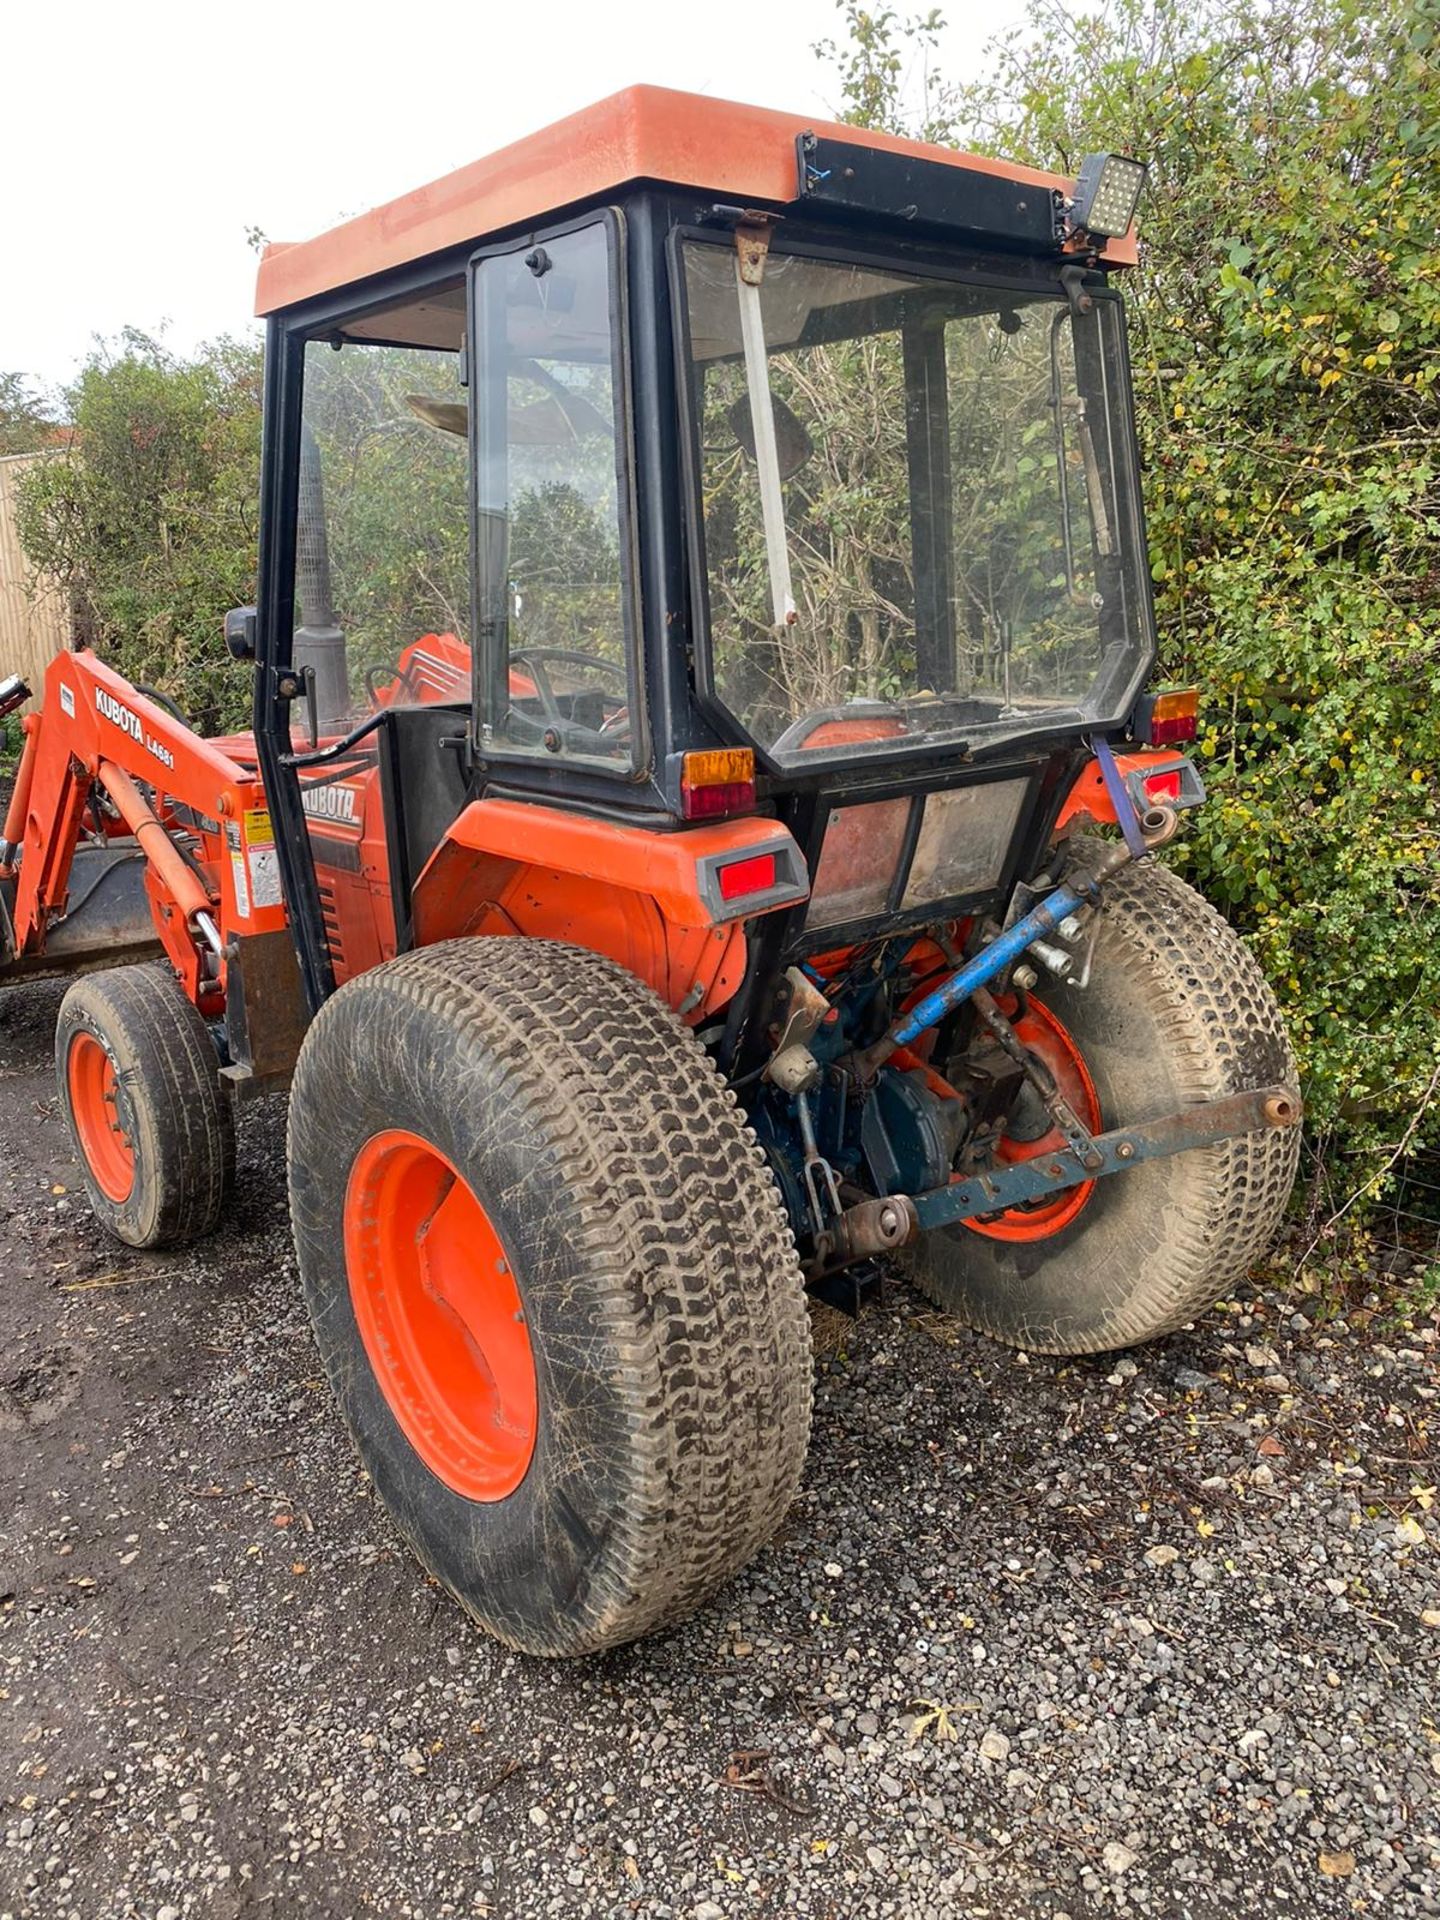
{"points": [[659, 903], [1088, 802]]}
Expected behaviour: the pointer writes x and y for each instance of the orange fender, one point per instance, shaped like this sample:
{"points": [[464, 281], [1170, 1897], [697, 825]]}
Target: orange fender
{"points": [[651, 901], [1088, 803]]}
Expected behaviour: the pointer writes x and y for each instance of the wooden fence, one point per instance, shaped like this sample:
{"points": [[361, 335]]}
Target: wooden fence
{"points": [[34, 616]]}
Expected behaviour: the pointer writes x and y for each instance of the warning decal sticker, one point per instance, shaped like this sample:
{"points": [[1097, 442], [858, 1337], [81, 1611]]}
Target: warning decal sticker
{"points": [[260, 858], [237, 871]]}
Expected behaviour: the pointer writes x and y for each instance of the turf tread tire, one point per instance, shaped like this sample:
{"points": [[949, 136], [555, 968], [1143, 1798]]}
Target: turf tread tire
{"points": [[1177, 1011], [654, 1261], [180, 1121]]}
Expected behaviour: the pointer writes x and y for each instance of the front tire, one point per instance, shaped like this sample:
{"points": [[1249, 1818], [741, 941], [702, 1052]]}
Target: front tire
{"points": [[1176, 1012], [140, 1087], [552, 1285]]}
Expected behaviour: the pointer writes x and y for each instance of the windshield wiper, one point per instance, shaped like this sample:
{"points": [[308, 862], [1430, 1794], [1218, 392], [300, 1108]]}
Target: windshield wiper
{"points": [[1060, 404], [752, 244], [1094, 485]]}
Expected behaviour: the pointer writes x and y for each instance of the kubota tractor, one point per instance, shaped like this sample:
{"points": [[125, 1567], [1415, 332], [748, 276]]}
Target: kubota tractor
{"points": [[696, 838]]}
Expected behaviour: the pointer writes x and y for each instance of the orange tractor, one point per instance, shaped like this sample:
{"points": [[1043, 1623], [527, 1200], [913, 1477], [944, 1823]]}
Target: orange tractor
{"points": [[695, 839]]}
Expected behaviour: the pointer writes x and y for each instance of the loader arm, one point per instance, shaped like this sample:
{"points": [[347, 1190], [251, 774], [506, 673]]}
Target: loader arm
{"points": [[104, 765]]}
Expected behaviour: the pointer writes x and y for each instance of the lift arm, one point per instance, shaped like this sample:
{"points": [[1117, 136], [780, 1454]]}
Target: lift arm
{"points": [[197, 815]]}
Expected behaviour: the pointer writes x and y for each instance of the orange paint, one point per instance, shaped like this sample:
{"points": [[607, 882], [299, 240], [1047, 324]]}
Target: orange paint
{"points": [[94, 727], [440, 1315], [730, 152], [507, 866], [94, 1102], [15, 813], [1088, 801]]}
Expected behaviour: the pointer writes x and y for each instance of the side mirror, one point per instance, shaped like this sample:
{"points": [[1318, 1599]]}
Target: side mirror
{"points": [[240, 633]]}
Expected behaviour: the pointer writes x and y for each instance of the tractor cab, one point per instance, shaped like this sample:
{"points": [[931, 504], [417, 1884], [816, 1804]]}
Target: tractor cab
{"points": [[774, 472]]}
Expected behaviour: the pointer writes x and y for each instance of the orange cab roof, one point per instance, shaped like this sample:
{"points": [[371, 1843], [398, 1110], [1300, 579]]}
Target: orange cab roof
{"points": [[733, 152]]}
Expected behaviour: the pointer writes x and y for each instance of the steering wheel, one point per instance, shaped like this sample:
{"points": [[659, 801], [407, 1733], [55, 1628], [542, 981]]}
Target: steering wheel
{"points": [[397, 672], [535, 660]]}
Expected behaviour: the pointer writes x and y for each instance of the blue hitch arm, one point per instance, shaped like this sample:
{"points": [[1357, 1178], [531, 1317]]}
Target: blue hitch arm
{"points": [[993, 960]]}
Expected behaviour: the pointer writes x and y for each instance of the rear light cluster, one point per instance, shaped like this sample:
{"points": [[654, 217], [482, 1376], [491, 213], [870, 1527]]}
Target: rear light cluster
{"points": [[764, 870], [1177, 784], [716, 783], [1166, 719]]}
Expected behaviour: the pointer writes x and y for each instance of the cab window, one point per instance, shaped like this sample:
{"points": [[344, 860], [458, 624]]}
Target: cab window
{"points": [[382, 576], [553, 665]]}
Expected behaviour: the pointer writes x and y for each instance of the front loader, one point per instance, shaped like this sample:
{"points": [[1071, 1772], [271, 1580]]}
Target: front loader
{"points": [[697, 841]]}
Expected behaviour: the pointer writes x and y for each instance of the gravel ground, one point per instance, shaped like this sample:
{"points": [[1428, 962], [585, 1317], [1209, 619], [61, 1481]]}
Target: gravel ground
{"points": [[1151, 1636]]}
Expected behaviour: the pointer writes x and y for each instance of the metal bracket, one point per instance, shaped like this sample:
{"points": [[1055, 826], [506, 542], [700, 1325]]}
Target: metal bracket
{"points": [[806, 1008], [1081, 1140], [1072, 279], [752, 243], [996, 1191]]}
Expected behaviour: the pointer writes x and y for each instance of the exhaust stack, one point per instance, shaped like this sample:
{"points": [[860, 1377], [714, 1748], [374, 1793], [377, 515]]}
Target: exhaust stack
{"points": [[318, 641]]}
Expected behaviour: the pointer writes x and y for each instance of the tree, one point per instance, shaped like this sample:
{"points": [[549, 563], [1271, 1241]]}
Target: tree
{"points": [[149, 515], [1285, 326], [26, 422]]}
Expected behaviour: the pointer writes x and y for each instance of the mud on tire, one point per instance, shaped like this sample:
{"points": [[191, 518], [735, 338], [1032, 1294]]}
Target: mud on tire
{"points": [[1176, 1011], [654, 1265], [140, 1087]]}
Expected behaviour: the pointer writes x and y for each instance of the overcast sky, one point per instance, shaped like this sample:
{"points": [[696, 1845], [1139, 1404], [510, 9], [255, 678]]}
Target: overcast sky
{"points": [[137, 143]]}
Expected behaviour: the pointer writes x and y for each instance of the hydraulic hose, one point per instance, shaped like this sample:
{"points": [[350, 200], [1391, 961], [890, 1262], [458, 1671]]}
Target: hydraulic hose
{"points": [[183, 886]]}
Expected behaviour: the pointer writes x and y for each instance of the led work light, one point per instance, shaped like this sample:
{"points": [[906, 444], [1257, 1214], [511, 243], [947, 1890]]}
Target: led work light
{"points": [[1106, 193]]}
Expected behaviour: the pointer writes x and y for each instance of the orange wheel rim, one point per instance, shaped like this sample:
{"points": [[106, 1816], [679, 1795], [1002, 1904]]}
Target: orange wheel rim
{"points": [[94, 1090], [440, 1315], [1046, 1037]]}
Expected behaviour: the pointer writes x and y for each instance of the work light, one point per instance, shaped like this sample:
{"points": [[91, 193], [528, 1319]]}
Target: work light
{"points": [[1106, 193]]}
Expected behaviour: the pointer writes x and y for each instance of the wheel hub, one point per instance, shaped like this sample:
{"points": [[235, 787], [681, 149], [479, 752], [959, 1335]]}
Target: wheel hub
{"points": [[440, 1315], [1031, 1131], [100, 1121]]}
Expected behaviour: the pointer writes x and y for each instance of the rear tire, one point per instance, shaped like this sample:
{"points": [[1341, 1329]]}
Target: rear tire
{"points": [[140, 1086], [599, 1474], [1176, 1011]]}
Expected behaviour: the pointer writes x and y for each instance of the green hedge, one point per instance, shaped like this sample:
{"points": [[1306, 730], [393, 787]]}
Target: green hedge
{"points": [[150, 514], [1285, 323]]}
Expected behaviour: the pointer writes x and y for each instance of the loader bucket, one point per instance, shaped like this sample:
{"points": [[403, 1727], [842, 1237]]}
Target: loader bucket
{"points": [[107, 920]]}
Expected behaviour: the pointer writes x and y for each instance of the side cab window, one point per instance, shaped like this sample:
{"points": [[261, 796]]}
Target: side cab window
{"points": [[555, 660]]}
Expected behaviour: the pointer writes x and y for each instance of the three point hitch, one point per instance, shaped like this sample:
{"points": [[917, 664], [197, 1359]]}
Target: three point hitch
{"points": [[875, 1226]]}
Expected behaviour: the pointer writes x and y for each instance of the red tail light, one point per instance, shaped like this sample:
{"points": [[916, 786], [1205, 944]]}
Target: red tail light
{"points": [[1165, 719], [1163, 786], [741, 878], [709, 803]]}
